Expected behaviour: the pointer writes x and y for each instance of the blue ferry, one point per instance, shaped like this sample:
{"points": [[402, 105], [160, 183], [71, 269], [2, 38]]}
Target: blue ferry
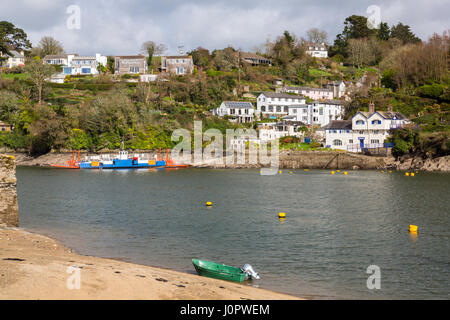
{"points": [[120, 161]]}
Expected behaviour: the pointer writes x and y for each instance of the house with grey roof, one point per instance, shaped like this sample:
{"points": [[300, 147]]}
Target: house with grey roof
{"points": [[15, 59], [255, 59], [136, 64], [276, 104], [312, 93], [365, 131], [179, 65], [237, 111]]}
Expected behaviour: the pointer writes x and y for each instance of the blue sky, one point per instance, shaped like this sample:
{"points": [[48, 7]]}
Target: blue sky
{"points": [[121, 26]]}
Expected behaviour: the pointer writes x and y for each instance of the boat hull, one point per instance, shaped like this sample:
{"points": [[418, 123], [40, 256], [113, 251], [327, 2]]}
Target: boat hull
{"points": [[218, 271], [122, 164]]}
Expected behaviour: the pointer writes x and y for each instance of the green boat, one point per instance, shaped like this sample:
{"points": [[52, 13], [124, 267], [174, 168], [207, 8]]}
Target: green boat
{"points": [[218, 271]]}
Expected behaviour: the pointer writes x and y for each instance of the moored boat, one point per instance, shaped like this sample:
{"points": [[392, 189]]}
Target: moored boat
{"points": [[218, 271], [121, 161]]}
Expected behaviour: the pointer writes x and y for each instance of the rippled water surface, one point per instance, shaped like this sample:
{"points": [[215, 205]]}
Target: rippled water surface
{"points": [[336, 226]]}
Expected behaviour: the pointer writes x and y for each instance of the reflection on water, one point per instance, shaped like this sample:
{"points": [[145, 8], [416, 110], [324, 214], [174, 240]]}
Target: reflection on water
{"points": [[335, 226]]}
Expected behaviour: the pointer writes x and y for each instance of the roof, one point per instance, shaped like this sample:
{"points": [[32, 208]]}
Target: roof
{"points": [[131, 57], [339, 124], [177, 57], [364, 113], [298, 106], [339, 102], [4, 124], [391, 115], [290, 122], [307, 88], [85, 58], [251, 55], [238, 104], [16, 54], [55, 56], [282, 95]]}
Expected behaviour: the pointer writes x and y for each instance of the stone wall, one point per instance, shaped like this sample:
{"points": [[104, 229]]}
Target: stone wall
{"points": [[9, 215]]}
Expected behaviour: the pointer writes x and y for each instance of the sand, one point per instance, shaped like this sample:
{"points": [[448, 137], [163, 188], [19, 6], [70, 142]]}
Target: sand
{"points": [[34, 267]]}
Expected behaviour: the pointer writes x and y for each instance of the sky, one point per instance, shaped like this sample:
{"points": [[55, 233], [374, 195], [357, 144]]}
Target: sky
{"points": [[119, 27]]}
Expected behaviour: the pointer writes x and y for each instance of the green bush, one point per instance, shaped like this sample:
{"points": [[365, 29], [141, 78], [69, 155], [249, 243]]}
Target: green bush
{"points": [[433, 91]]}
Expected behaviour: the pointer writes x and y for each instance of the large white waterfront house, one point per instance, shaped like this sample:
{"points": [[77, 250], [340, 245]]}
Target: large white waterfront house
{"points": [[366, 130], [275, 105], [237, 111]]}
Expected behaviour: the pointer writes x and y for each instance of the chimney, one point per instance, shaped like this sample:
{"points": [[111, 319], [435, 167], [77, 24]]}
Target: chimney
{"points": [[371, 107], [389, 108]]}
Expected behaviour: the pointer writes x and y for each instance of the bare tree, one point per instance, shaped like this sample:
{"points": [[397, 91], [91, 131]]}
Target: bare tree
{"points": [[47, 46], [316, 36], [151, 48], [38, 72]]}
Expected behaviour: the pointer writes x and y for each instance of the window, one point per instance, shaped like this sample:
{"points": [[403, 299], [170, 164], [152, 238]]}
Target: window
{"points": [[376, 121], [270, 108], [361, 132], [321, 111], [350, 141], [360, 122], [286, 109], [375, 131], [337, 142], [134, 69], [294, 110], [263, 108], [374, 141], [278, 108]]}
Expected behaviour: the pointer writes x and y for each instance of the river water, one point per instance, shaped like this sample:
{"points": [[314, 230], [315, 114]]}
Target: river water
{"points": [[336, 225]]}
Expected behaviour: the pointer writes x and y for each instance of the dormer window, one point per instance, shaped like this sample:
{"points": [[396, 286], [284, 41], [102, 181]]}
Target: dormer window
{"points": [[376, 121], [360, 122]]}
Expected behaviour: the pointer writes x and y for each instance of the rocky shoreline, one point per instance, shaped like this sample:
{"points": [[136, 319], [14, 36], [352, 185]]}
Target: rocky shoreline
{"points": [[287, 160]]}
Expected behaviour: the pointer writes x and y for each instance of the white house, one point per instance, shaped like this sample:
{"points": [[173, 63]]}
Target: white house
{"points": [[87, 64], [339, 88], [275, 130], [312, 93], [318, 112], [317, 50], [366, 130], [237, 111], [275, 105], [16, 59]]}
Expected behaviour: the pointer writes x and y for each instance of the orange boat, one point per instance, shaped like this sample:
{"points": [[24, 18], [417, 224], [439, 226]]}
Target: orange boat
{"points": [[170, 164], [71, 164]]}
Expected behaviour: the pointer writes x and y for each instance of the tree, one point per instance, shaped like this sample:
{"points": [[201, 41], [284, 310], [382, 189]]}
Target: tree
{"points": [[38, 72], [151, 48], [316, 36], [11, 38], [110, 64], [200, 57], [384, 33], [49, 46], [101, 68], [403, 32]]}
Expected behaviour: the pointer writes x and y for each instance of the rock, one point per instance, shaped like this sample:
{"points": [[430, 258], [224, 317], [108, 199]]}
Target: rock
{"points": [[9, 215]]}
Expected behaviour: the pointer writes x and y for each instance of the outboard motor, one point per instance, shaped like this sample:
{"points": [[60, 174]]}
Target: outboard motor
{"points": [[251, 274]]}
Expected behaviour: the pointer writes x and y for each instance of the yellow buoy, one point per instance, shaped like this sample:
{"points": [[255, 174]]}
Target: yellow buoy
{"points": [[290, 172], [413, 228], [412, 174], [281, 215], [280, 172], [306, 170], [345, 173], [209, 204], [407, 174], [332, 172]]}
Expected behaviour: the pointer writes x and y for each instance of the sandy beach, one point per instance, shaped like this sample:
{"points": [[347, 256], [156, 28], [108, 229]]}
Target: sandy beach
{"points": [[35, 267]]}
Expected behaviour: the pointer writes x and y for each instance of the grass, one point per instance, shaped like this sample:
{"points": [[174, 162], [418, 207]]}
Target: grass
{"points": [[12, 76], [301, 147], [313, 72]]}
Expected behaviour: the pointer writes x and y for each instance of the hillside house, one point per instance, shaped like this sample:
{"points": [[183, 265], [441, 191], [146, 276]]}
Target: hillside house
{"points": [[16, 59], [179, 65], [312, 93], [130, 64], [317, 50], [237, 111], [275, 105]]}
